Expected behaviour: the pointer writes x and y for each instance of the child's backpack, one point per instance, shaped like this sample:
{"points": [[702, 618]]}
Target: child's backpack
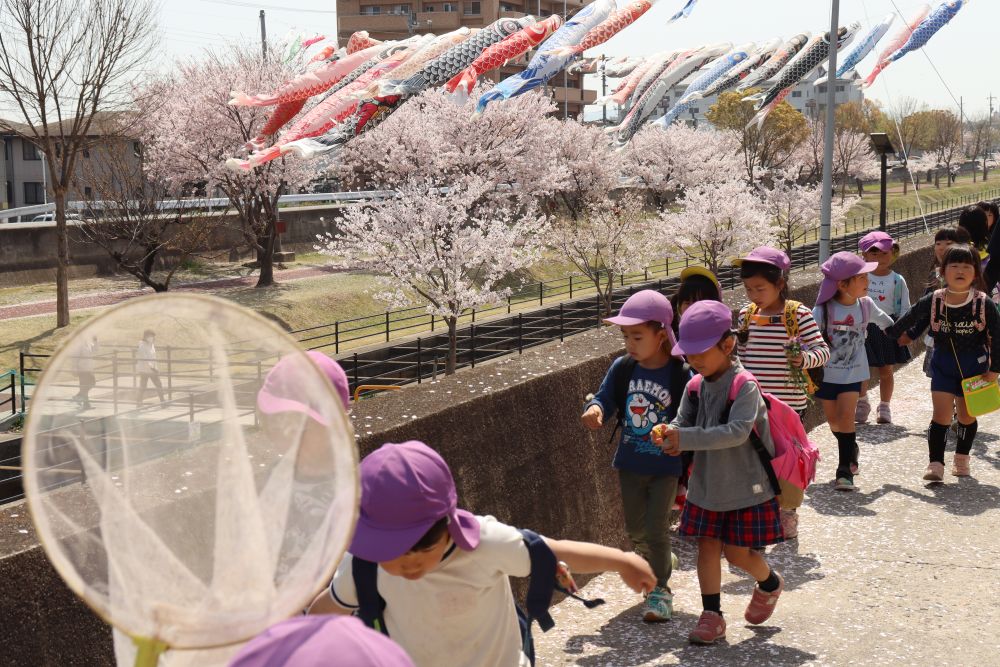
{"points": [[541, 584], [938, 306], [814, 376], [793, 465]]}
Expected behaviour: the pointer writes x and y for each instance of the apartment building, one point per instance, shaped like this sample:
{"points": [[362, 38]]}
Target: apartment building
{"points": [[24, 170], [392, 19]]}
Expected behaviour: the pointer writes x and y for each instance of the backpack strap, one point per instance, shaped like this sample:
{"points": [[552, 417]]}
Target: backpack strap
{"points": [[936, 309], [624, 368], [792, 318], [543, 579], [980, 302], [371, 606], [751, 313]]}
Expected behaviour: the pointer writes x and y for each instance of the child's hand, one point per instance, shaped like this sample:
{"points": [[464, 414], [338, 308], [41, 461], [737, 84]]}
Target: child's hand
{"points": [[593, 418], [904, 340], [636, 573], [670, 440], [658, 434], [990, 376], [797, 361]]}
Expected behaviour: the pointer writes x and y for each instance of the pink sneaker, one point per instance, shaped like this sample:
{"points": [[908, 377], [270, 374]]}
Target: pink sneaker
{"points": [[762, 604], [711, 628]]}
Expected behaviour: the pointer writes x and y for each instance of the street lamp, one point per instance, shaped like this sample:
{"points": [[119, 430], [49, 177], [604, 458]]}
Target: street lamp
{"points": [[883, 146]]}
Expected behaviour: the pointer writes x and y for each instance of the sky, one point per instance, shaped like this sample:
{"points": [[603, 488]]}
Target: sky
{"points": [[965, 52]]}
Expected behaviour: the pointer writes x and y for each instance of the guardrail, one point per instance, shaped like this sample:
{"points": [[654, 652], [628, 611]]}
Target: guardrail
{"points": [[8, 392]]}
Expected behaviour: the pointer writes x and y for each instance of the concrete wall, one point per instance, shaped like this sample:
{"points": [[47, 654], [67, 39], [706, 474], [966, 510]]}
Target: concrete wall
{"points": [[509, 429]]}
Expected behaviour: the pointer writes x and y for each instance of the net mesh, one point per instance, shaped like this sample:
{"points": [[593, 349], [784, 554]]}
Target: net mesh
{"points": [[175, 498]]}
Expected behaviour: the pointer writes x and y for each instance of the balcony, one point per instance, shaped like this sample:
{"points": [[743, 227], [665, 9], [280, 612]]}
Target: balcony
{"points": [[395, 24], [438, 22]]}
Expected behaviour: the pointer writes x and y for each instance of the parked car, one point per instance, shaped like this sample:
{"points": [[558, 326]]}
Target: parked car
{"points": [[51, 217]]}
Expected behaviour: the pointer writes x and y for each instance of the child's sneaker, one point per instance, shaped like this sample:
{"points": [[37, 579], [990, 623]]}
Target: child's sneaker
{"points": [[960, 466], [844, 483], [790, 524], [934, 472], [762, 603], [862, 411], [659, 606], [884, 413], [711, 628]]}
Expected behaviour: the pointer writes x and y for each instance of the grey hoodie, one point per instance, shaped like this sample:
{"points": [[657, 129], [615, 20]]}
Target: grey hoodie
{"points": [[728, 473]]}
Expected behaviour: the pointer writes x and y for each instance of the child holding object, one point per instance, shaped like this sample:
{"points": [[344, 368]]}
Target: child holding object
{"points": [[965, 327], [730, 507], [843, 311], [642, 389], [887, 289], [441, 587]]}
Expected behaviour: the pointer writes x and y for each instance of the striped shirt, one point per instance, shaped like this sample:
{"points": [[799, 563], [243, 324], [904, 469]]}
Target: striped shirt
{"points": [[764, 353]]}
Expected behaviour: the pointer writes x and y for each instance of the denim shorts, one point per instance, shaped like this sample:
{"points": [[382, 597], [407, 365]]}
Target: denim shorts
{"points": [[946, 376], [829, 391]]}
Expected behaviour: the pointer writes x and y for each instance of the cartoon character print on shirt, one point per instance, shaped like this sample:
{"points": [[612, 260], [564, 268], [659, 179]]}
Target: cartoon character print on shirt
{"points": [[846, 339], [646, 407]]}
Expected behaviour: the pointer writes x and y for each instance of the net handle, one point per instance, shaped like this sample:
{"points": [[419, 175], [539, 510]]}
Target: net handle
{"points": [[149, 651]]}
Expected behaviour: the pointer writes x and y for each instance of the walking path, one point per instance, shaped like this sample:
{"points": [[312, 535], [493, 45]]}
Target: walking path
{"points": [[899, 573], [109, 298]]}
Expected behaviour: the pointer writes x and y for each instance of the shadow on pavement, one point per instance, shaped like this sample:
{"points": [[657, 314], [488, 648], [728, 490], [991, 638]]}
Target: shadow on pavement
{"points": [[632, 642], [824, 499], [959, 496], [798, 569]]}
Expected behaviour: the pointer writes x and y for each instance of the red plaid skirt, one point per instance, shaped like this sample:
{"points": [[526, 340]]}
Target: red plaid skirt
{"points": [[756, 526]]}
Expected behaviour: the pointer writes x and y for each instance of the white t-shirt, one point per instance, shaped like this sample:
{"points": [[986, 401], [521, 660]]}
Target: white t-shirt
{"points": [[461, 614], [882, 290]]}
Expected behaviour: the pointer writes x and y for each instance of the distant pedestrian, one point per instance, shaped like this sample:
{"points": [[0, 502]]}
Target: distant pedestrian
{"points": [[85, 367], [965, 326], [697, 284], [145, 365]]}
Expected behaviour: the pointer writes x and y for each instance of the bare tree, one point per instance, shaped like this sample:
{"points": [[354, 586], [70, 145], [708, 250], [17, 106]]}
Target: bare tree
{"points": [[125, 219], [62, 62], [945, 142], [977, 141]]}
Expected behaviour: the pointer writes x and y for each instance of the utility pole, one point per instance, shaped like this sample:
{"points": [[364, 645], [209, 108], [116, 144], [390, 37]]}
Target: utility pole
{"points": [[263, 36], [989, 136], [826, 205], [565, 74], [604, 88]]}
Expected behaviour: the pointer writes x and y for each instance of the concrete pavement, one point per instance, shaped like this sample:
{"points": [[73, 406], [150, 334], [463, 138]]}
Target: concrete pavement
{"points": [[898, 573]]}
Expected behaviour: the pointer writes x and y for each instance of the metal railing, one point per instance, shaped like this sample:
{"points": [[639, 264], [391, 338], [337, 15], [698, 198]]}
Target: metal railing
{"points": [[8, 393]]}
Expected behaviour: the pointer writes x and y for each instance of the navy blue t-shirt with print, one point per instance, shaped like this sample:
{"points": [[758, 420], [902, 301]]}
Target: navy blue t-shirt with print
{"points": [[652, 398]]}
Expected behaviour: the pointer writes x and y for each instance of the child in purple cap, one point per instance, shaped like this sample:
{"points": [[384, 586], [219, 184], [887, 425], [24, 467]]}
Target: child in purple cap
{"points": [[888, 289], [442, 571], [965, 327], [642, 389], [768, 327], [730, 508], [843, 311], [318, 641]]}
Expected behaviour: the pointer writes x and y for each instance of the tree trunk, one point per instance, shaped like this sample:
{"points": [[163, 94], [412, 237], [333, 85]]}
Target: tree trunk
{"points": [[265, 256], [906, 184], [452, 345], [937, 179], [62, 259]]}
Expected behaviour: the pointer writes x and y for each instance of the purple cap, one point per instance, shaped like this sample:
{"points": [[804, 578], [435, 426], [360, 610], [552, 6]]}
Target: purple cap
{"points": [[841, 266], [703, 325], [313, 641], [283, 391], [406, 489], [646, 306], [766, 255], [879, 240]]}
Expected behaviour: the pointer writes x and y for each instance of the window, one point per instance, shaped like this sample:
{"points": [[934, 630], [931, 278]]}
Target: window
{"points": [[428, 8], [34, 193], [470, 7], [29, 151], [88, 192], [400, 10], [693, 110], [840, 89], [821, 88], [86, 153], [796, 93], [370, 10], [448, 7]]}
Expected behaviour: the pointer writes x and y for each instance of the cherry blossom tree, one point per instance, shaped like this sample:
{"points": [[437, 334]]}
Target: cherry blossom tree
{"points": [[793, 209], [465, 216], [718, 221], [426, 244], [611, 238], [587, 169], [666, 162], [190, 130]]}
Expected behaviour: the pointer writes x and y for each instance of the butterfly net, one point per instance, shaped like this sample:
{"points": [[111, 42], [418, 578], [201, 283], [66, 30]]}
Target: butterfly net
{"points": [[191, 473]]}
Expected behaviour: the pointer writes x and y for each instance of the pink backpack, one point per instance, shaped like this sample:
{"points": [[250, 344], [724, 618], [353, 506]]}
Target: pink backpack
{"points": [[793, 465]]}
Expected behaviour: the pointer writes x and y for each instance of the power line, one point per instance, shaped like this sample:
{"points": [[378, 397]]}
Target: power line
{"points": [[277, 8]]}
